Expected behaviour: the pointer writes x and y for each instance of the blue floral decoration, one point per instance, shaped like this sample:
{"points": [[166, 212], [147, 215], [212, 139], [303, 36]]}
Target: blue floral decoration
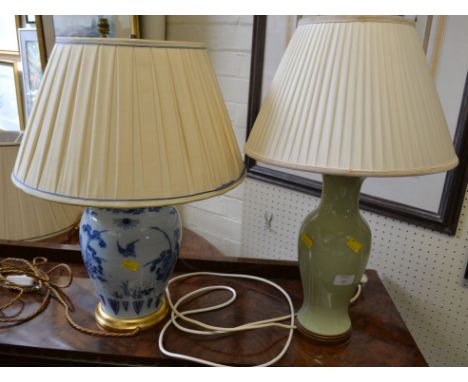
{"points": [[176, 240], [164, 264], [128, 250], [92, 261], [89, 211], [154, 209], [126, 223], [133, 211], [138, 211], [136, 293]]}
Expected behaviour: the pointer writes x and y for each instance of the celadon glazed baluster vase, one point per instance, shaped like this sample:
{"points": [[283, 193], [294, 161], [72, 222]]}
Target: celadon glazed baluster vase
{"points": [[130, 255], [334, 246]]}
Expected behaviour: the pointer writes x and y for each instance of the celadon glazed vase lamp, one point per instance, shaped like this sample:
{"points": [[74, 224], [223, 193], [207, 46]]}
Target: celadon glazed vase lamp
{"points": [[128, 128], [23, 217], [353, 97]]}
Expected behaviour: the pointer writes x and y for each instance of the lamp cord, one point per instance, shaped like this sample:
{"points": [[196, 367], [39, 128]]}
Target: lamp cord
{"points": [[42, 284], [207, 330]]}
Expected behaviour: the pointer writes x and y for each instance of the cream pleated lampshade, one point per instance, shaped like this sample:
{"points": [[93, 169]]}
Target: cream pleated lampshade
{"points": [[353, 96], [23, 217], [128, 123]]}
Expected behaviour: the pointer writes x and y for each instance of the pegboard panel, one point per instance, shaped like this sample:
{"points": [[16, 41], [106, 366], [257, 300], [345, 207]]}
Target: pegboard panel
{"points": [[422, 269]]}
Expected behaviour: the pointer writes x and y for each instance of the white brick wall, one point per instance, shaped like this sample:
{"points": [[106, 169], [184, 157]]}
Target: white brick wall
{"points": [[228, 39]]}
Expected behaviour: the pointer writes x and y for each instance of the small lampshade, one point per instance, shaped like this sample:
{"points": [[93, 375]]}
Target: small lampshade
{"points": [[353, 96], [128, 123], [23, 217]]}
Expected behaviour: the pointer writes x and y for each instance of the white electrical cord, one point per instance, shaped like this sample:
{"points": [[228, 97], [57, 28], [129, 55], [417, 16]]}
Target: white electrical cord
{"points": [[213, 330], [361, 285]]}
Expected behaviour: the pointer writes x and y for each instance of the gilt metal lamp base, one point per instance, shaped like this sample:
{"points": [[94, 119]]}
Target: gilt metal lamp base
{"points": [[115, 324]]}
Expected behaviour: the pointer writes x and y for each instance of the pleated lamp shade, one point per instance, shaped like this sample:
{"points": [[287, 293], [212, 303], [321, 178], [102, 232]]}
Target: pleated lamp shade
{"points": [[353, 96], [23, 217], [128, 123]]}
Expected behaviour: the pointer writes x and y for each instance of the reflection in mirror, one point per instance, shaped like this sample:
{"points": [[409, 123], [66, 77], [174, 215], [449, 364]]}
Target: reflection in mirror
{"points": [[26, 218]]}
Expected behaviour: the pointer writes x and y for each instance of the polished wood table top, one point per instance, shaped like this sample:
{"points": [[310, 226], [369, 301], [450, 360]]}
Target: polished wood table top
{"points": [[379, 335]]}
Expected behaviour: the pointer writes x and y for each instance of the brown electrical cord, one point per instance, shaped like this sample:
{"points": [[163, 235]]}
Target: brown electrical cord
{"points": [[43, 284]]}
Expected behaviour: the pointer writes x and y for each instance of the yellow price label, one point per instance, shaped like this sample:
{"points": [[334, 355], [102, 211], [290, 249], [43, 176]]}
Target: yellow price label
{"points": [[308, 242], [131, 264], [354, 245]]}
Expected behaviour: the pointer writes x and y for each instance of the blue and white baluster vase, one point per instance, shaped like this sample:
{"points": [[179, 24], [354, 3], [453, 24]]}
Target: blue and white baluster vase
{"points": [[130, 255]]}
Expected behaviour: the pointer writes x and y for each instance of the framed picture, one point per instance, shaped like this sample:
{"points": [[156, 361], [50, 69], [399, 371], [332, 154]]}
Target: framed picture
{"points": [[87, 26], [8, 35], [11, 110], [32, 69], [432, 201], [49, 27]]}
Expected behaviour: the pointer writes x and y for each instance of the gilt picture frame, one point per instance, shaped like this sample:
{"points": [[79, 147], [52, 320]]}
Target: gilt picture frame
{"points": [[443, 218]]}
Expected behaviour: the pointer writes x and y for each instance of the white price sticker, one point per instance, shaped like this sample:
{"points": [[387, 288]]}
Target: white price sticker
{"points": [[344, 279]]}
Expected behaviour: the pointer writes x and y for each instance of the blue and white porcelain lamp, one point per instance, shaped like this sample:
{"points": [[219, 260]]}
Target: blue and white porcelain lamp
{"points": [[128, 128]]}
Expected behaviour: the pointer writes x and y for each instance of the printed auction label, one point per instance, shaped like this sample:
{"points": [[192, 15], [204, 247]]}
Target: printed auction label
{"points": [[344, 279]]}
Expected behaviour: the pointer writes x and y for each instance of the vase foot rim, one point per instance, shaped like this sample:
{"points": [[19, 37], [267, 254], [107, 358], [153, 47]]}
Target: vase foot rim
{"points": [[323, 339], [116, 324]]}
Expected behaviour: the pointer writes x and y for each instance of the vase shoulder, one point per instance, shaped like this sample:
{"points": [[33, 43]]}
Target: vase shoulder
{"points": [[321, 222]]}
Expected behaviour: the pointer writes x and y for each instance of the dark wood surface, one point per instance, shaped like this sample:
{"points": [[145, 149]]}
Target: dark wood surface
{"points": [[379, 336], [444, 220]]}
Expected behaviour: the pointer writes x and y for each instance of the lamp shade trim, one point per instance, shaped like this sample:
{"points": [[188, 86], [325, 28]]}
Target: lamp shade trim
{"points": [[354, 172], [126, 203], [353, 98], [354, 19]]}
